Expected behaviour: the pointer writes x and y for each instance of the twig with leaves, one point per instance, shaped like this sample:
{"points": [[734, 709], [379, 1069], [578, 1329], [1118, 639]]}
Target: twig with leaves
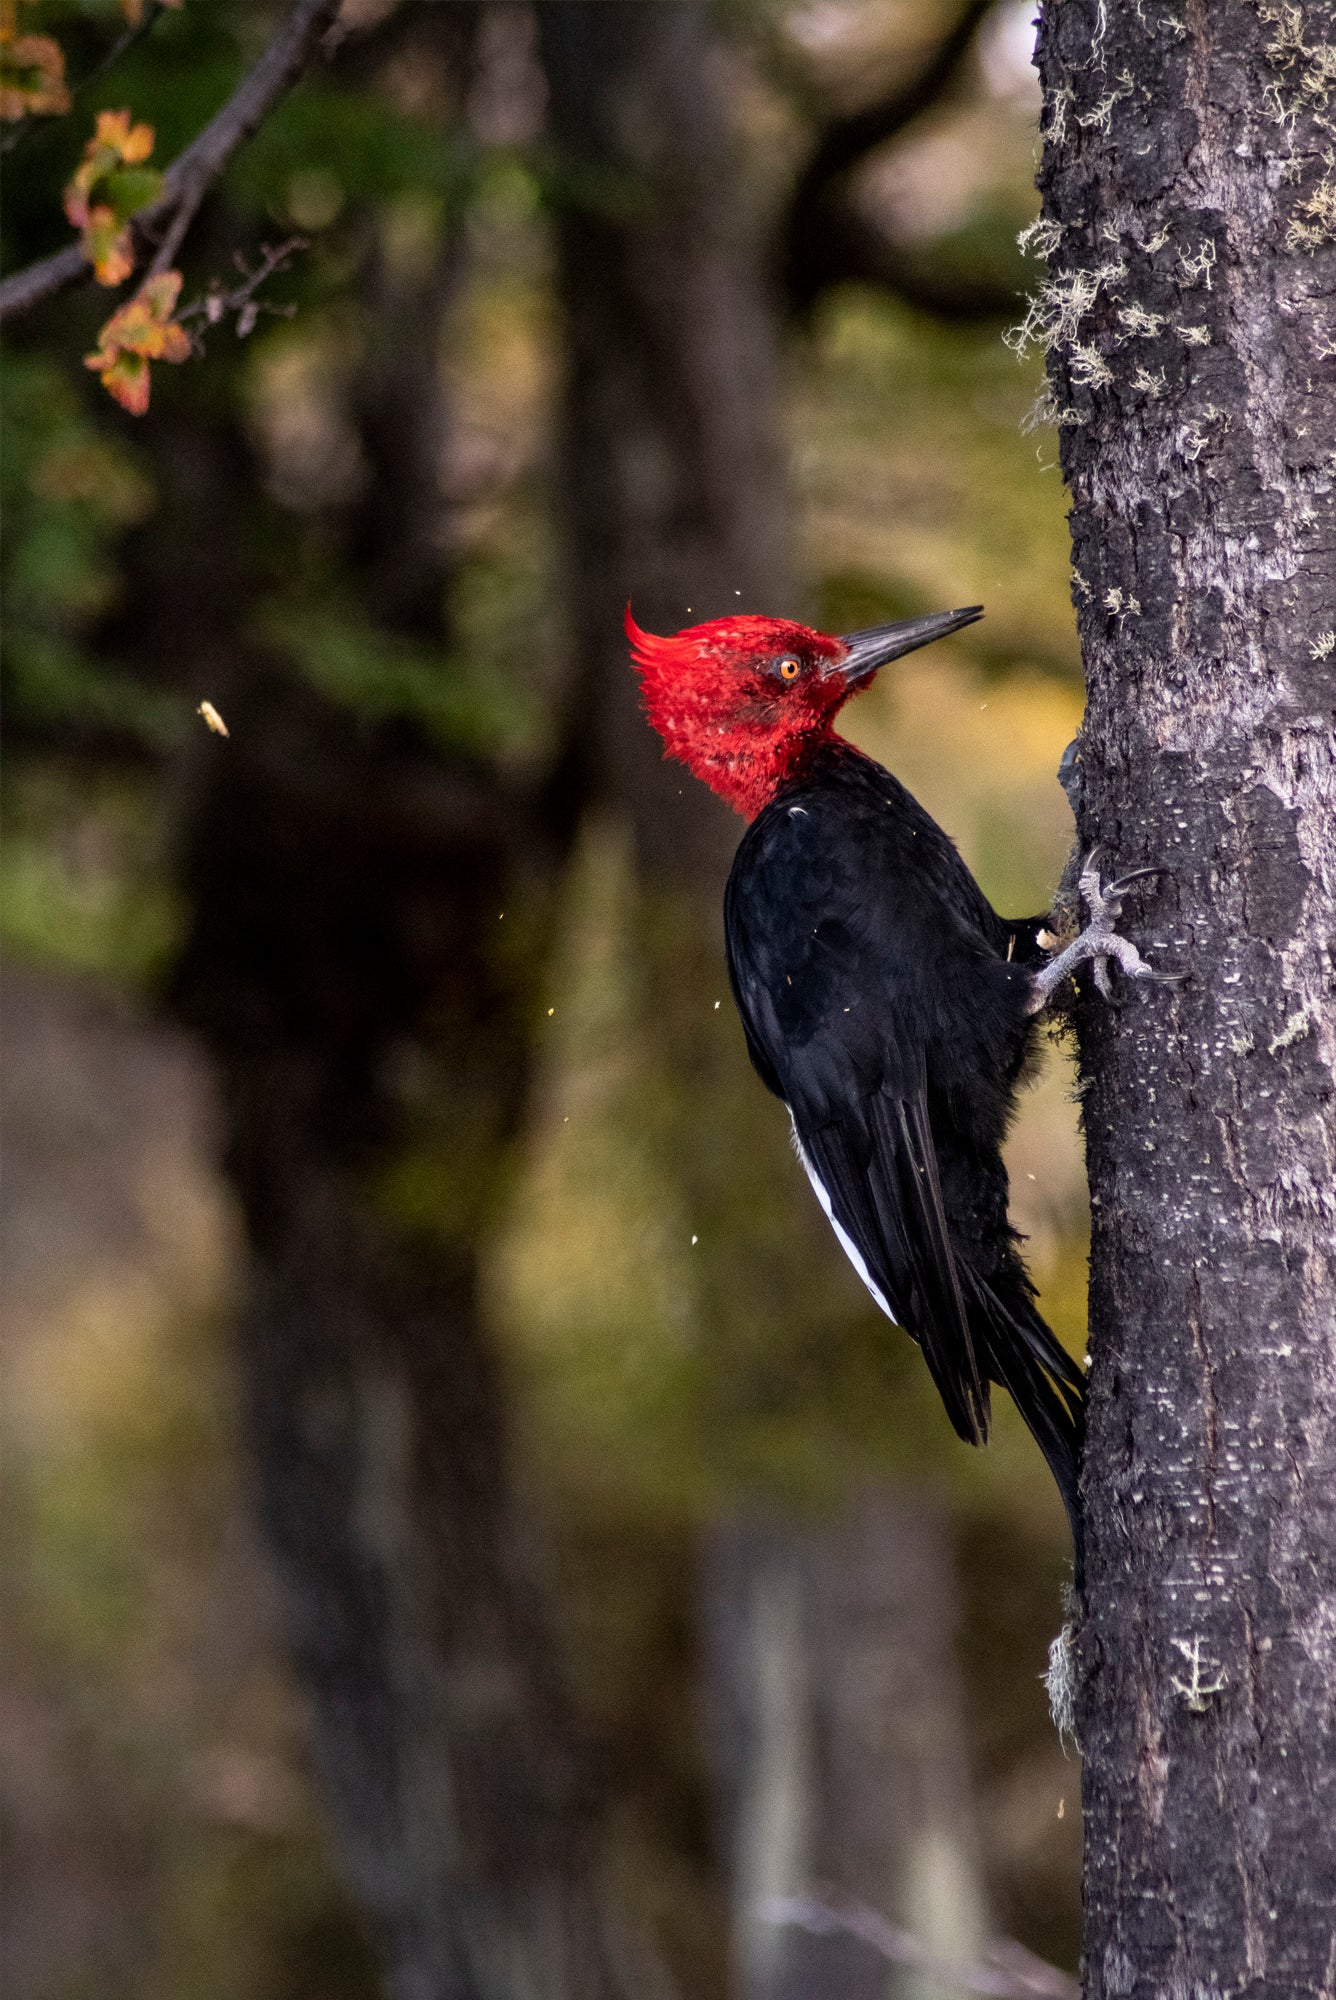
{"points": [[163, 223], [141, 25]]}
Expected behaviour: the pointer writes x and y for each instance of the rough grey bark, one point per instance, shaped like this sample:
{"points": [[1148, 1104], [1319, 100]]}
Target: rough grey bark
{"points": [[1189, 198]]}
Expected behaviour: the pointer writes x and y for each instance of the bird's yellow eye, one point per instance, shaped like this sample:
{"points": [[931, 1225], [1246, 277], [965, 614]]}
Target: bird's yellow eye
{"points": [[789, 670]]}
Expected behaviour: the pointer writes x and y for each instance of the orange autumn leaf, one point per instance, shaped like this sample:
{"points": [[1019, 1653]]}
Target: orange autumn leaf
{"points": [[116, 142], [110, 184], [108, 245], [139, 332], [125, 377], [32, 75], [131, 143]]}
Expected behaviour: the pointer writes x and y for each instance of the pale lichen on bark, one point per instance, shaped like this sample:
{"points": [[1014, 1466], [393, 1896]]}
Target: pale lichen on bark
{"points": [[1190, 321]]}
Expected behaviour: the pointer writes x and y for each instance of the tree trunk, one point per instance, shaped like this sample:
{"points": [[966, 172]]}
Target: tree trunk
{"points": [[372, 1028], [1188, 203], [373, 1055]]}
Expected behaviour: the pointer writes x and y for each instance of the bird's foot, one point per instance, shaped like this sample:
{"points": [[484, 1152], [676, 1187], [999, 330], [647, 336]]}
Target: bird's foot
{"points": [[1099, 941]]}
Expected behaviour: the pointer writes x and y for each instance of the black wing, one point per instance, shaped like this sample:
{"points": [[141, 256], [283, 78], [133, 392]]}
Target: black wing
{"points": [[864, 961], [823, 957]]}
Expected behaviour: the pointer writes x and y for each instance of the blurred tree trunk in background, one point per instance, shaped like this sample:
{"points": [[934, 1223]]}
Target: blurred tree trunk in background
{"points": [[371, 1022], [837, 1722], [373, 1060], [1188, 204], [343, 964]]}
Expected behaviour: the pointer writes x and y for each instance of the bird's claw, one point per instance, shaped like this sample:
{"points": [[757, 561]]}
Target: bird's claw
{"points": [[1100, 942], [1115, 891]]}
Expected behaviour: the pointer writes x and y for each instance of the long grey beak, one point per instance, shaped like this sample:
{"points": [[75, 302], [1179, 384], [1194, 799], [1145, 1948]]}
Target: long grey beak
{"points": [[873, 647]]}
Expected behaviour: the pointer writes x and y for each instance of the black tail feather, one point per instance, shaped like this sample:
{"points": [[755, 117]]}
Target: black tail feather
{"points": [[1048, 1388]]}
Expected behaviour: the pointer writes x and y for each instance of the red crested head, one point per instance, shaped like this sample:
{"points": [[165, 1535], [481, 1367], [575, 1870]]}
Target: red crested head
{"points": [[737, 699], [742, 701]]}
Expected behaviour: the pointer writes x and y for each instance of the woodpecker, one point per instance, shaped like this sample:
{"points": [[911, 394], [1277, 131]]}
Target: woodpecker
{"points": [[883, 999]]}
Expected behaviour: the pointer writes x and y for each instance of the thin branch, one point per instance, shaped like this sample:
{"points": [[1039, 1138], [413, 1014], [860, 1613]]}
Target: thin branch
{"points": [[847, 140], [193, 172], [217, 303], [854, 249], [807, 265], [30, 286], [125, 41]]}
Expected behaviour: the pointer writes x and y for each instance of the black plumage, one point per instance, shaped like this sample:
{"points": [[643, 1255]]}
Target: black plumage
{"points": [[889, 1006]]}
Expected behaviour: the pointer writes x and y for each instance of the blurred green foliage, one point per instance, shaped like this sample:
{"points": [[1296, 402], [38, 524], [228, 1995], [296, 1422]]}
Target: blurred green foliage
{"points": [[71, 487], [456, 699], [84, 882]]}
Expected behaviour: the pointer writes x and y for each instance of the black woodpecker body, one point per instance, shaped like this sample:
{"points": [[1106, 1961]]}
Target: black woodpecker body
{"points": [[883, 1000]]}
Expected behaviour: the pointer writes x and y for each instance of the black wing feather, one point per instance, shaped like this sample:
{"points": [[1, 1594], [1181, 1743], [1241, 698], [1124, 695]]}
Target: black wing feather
{"points": [[883, 1188], [864, 961]]}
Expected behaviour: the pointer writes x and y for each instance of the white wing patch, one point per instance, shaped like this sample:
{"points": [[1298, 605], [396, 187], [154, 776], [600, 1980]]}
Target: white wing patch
{"points": [[847, 1244]]}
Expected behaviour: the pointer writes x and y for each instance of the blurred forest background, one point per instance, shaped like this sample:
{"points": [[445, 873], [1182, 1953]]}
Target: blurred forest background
{"points": [[421, 1354]]}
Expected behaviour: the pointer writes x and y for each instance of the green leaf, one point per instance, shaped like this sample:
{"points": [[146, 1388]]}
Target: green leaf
{"points": [[130, 189]]}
